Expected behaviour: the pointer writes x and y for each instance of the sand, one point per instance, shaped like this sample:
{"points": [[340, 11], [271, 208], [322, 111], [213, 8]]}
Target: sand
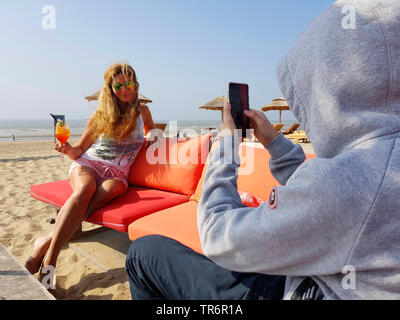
{"points": [[88, 268]]}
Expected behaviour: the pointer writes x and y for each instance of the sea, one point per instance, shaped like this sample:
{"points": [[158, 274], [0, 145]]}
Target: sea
{"points": [[43, 129]]}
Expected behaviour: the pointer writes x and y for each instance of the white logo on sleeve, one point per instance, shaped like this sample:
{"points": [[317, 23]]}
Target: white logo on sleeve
{"points": [[273, 198]]}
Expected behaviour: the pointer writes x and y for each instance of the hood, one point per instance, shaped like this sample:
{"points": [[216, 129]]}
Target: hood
{"points": [[342, 77]]}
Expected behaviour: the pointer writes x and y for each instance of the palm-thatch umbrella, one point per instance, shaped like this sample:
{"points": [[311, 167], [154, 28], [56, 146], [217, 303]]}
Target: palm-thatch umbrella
{"points": [[95, 96], [216, 104], [278, 104]]}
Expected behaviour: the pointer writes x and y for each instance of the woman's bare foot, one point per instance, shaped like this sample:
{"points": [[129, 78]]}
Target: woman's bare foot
{"points": [[34, 262]]}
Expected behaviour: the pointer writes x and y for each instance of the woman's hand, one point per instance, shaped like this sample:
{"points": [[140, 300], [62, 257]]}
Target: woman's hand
{"points": [[72, 152], [263, 129], [63, 148]]}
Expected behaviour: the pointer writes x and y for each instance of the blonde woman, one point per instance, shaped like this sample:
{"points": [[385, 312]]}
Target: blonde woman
{"points": [[102, 158]]}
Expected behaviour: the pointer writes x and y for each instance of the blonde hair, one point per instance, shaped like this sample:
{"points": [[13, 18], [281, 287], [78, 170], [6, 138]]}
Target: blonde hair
{"points": [[108, 119]]}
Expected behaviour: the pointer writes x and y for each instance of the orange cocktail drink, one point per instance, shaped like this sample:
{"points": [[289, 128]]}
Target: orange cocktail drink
{"points": [[62, 132]]}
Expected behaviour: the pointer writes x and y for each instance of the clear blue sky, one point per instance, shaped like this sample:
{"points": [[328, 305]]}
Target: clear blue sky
{"points": [[184, 52]]}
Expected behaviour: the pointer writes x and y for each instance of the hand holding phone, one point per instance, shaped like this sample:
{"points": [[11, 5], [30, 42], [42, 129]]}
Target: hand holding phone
{"points": [[263, 129]]}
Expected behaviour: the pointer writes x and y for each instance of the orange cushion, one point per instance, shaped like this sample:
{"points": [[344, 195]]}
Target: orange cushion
{"points": [[254, 175], [173, 166], [179, 223], [197, 194]]}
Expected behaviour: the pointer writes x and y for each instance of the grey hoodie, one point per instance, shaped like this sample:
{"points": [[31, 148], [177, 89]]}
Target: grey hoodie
{"points": [[335, 218]]}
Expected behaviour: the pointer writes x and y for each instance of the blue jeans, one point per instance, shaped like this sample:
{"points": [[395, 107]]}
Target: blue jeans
{"points": [[160, 268]]}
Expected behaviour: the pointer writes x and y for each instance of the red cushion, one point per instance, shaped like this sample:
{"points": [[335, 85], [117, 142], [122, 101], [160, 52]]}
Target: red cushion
{"points": [[119, 213], [54, 193], [173, 166], [249, 200]]}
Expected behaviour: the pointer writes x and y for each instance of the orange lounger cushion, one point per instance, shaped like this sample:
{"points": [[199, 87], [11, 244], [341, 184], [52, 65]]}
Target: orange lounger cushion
{"points": [[119, 213], [178, 223], [254, 176], [173, 166]]}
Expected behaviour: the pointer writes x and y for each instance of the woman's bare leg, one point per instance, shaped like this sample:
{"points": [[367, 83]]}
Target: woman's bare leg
{"points": [[40, 248], [81, 178], [105, 192], [73, 211]]}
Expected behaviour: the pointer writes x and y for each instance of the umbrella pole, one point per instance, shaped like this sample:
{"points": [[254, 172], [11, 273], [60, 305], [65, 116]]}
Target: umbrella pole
{"points": [[280, 116]]}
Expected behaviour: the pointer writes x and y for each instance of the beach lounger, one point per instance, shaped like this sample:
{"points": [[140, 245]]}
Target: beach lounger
{"points": [[292, 129], [278, 127], [300, 136]]}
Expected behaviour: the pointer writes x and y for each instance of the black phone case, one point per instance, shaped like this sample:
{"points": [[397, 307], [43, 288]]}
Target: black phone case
{"points": [[241, 121]]}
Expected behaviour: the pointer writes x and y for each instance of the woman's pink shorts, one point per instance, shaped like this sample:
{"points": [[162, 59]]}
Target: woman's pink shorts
{"points": [[101, 170]]}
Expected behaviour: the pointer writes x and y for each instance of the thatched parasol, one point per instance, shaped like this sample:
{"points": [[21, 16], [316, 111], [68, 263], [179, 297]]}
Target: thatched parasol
{"points": [[216, 104], [95, 96], [278, 104]]}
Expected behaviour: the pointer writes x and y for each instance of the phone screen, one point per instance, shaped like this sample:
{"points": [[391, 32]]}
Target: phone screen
{"points": [[239, 100]]}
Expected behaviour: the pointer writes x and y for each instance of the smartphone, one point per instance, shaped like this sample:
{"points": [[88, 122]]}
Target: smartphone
{"points": [[239, 99]]}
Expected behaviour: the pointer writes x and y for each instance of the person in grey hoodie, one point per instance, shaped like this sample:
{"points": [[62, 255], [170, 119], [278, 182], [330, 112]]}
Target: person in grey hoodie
{"points": [[331, 229]]}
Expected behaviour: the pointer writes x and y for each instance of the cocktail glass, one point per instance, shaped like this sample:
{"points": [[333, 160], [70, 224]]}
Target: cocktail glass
{"points": [[62, 134]]}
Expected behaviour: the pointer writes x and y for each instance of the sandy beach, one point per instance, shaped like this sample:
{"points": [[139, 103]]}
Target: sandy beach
{"points": [[88, 268]]}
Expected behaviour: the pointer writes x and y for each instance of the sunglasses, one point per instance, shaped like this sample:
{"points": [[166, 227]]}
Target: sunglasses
{"points": [[117, 86]]}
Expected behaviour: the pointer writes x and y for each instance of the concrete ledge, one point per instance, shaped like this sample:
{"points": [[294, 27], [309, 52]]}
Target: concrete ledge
{"points": [[16, 283]]}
